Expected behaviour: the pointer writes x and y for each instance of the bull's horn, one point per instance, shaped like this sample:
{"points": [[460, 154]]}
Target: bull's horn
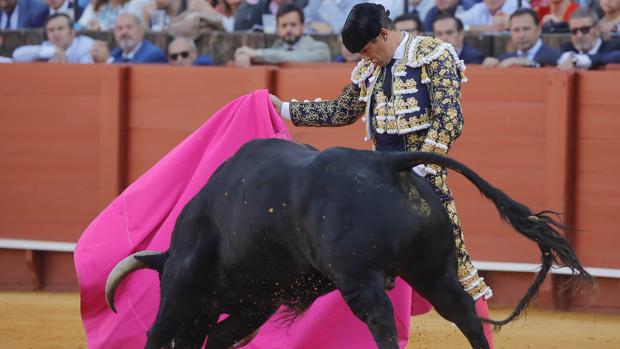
{"points": [[125, 267]]}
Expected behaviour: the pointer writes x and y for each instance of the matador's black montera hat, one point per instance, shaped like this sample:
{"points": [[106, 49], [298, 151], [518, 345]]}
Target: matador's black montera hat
{"points": [[362, 25]]}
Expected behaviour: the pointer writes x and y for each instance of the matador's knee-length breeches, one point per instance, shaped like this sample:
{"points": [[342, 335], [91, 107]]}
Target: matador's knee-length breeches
{"points": [[468, 275]]}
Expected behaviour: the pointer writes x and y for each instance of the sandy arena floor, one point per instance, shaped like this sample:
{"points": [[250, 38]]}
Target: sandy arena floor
{"points": [[52, 321]]}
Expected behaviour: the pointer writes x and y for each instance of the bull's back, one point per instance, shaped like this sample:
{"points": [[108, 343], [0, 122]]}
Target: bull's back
{"points": [[249, 198]]}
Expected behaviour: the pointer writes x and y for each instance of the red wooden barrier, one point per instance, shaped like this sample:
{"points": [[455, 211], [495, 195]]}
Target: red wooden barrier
{"points": [[596, 207], [168, 103], [513, 137], [597, 168], [72, 136], [59, 145]]}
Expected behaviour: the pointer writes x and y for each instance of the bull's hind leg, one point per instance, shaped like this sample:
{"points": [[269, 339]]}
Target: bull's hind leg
{"points": [[238, 326], [367, 299], [445, 293]]}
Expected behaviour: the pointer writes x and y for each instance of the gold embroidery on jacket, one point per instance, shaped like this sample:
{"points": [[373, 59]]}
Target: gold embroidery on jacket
{"points": [[343, 110]]}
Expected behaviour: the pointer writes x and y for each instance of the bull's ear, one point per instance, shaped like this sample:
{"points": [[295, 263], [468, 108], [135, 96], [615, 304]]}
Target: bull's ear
{"points": [[154, 261]]}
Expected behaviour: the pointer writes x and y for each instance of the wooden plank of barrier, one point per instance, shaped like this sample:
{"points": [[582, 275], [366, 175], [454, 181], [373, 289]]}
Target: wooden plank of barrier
{"points": [[60, 144], [54, 172], [167, 103], [502, 141], [112, 137], [597, 168], [559, 138]]}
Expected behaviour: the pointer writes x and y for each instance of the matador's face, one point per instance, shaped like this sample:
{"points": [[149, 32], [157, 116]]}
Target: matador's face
{"points": [[377, 50]]}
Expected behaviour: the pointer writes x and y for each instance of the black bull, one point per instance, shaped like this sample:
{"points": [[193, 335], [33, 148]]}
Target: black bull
{"points": [[281, 224]]}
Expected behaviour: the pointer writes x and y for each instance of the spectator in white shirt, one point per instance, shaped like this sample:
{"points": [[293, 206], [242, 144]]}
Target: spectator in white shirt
{"points": [[490, 15], [157, 14], [327, 16], [397, 7], [61, 46], [100, 15]]}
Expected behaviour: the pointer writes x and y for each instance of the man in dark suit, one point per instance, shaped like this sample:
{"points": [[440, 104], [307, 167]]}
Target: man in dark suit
{"points": [[587, 49], [132, 48], [17, 14], [449, 29], [525, 36]]}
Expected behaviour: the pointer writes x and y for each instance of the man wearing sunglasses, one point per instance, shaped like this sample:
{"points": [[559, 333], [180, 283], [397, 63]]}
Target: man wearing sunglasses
{"points": [[586, 49], [182, 52]]}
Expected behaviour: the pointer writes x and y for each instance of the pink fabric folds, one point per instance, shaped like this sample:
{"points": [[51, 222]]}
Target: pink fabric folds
{"points": [[143, 216]]}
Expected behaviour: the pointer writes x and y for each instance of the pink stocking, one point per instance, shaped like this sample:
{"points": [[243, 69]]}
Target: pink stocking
{"points": [[482, 309]]}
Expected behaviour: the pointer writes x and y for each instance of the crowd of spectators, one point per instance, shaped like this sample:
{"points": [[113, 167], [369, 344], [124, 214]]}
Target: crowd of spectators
{"points": [[590, 25]]}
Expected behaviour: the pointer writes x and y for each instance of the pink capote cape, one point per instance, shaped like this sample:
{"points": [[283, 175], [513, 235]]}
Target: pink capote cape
{"points": [[143, 216]]}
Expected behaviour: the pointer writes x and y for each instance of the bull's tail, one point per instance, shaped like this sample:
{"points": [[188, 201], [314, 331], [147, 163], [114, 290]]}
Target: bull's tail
{"points": [[539, 227], [139, 260]]}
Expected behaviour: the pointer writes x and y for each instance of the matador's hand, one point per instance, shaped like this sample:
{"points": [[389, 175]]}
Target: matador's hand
{"points": [[277, 103]]}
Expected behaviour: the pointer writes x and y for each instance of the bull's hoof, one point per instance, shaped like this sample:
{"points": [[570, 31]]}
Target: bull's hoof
{"points": [[245, 341]]}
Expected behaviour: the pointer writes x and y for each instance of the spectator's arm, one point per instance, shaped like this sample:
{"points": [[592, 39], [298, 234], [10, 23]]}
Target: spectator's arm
{"points": [[344, 110], [611, 57], [87, 16], [473, 23], [86, 59], [481, 28], [318, 52], [517, 62], [490, 62], [445, 92], [31, 53], [334, 16]]}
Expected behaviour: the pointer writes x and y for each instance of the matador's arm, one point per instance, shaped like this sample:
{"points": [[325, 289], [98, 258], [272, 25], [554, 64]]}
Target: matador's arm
{"points": [[445, 93], [343, 110]]}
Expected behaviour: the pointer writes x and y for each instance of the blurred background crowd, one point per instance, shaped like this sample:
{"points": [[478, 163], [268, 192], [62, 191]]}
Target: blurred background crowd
{"points": [[302, 30]]}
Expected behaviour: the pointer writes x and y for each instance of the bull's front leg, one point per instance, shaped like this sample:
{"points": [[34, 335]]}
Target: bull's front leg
{"points": [[239, 325], [367, 299], [175, 308]]}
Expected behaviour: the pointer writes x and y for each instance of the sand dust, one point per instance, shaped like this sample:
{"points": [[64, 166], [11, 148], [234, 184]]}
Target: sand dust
{"points": [[52, 321]]}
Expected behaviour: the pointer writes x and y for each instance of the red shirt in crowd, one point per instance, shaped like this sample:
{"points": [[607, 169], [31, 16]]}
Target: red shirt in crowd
{"points": [[545, 10]]}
